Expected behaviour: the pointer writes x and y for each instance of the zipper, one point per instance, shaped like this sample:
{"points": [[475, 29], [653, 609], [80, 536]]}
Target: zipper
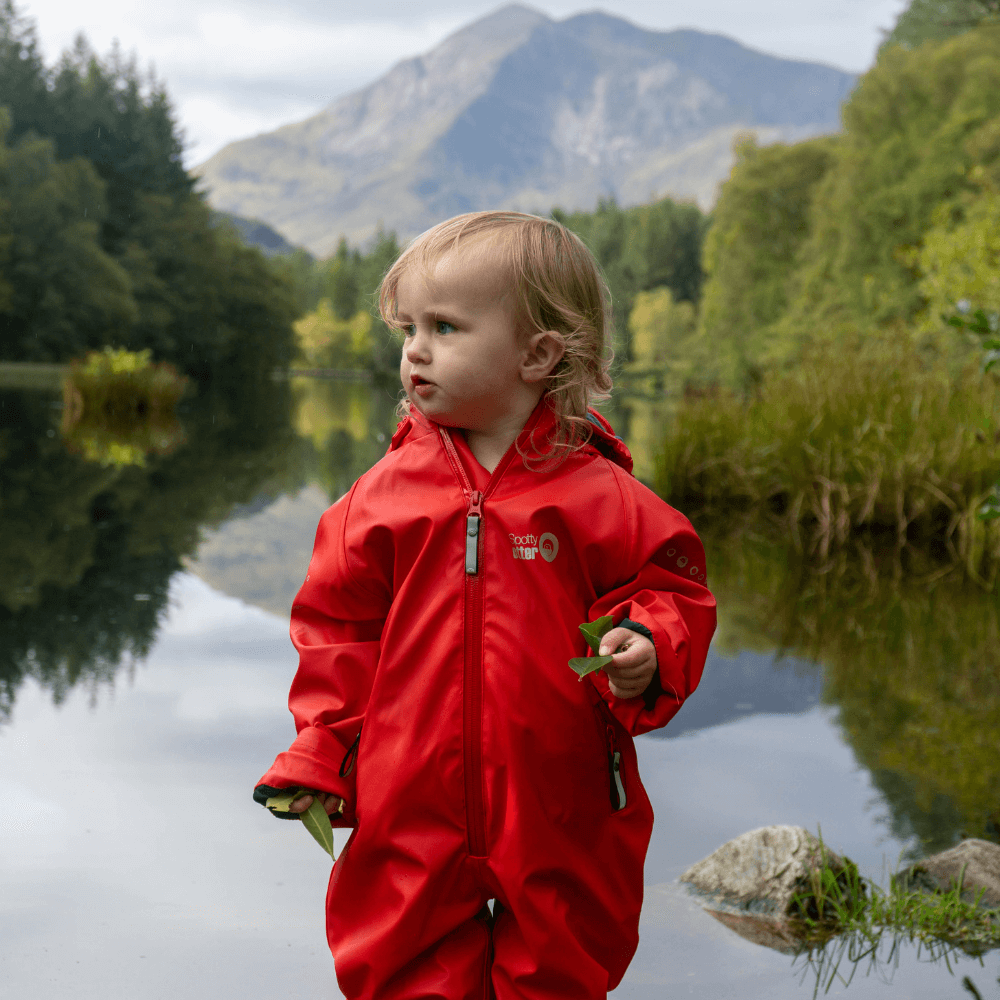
{"points": [[472, 688], [617, 785], [350, 758]]}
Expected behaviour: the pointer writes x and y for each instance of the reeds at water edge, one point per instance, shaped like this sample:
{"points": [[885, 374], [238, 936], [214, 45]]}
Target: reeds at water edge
{"points": [[874, 438]]}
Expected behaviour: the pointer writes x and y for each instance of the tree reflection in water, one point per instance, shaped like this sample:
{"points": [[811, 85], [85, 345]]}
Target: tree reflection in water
{"points": [[87, 551], [911, 656]]}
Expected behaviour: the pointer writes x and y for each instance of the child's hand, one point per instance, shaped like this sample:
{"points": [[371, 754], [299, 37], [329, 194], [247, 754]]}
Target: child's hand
{"points": [[331, 803], [633, 663]]}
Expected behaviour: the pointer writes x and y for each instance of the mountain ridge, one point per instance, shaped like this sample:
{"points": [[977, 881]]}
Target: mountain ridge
{"points": [[518, 110]]}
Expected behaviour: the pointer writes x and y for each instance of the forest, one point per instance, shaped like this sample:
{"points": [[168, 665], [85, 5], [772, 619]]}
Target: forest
{"points": [[103, 238]]}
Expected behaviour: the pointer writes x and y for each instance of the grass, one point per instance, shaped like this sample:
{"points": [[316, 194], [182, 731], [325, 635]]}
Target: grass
{"points": [[843, 918], [873, 438]]}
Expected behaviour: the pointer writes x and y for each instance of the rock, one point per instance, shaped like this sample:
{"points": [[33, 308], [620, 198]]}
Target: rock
{"points": [[758, 883], [975, 862], [771, 932]]}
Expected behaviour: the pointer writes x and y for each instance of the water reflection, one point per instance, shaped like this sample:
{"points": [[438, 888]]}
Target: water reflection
{"points": [[911, 656], [860, 694], [842, 959], [87, 550]]}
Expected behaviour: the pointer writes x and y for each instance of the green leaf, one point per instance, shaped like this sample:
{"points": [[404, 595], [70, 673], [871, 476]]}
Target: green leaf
{"points": [[283, 803], [594, 631], [584, 665], [316, 821]]}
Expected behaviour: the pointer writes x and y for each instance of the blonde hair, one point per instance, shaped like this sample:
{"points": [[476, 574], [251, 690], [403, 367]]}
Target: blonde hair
{"points": [[557, 285]]}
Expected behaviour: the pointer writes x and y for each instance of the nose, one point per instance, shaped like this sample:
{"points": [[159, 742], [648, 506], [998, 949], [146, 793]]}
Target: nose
{"points": [[417, 348]]}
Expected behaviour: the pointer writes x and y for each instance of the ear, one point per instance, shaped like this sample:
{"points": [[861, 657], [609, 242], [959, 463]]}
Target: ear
{"points": [[542, 353]]}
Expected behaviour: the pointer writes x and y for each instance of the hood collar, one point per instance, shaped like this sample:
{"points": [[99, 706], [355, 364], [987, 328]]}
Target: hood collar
{"points": [[537, 428]]}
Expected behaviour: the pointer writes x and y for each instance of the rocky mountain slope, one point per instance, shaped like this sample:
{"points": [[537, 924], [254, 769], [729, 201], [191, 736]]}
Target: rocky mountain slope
{"points": [[521, 111]]}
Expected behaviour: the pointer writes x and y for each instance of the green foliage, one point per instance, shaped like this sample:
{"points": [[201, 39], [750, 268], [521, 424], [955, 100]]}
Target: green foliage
{"points": [[325, 340], [593, 632], [814, 242], [654, 246], [759, 224], [844, 920], [339, 325], [959, 265], [915, 130], [102, 238], [666, 353], [642, 248], [57, 284], [866, 437], [314, 819], [935, 20]]}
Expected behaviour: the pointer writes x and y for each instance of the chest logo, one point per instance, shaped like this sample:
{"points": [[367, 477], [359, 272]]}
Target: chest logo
{"points": [[528, 546]]}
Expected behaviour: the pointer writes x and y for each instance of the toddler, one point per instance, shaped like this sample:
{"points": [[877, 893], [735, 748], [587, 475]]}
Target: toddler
{"points": [[436, 713]]}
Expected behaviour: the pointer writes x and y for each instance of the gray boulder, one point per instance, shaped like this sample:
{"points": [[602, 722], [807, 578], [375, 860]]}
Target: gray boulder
{"points": [[760, 882], [974, 863]]}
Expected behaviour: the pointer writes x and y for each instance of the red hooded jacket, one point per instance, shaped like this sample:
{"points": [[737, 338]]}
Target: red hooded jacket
{"points": [[433, 695]]}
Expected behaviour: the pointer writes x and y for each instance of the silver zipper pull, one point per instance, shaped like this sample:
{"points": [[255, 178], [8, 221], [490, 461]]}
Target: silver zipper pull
{"points": [[472, 544], [472, 523], [619, 784]]}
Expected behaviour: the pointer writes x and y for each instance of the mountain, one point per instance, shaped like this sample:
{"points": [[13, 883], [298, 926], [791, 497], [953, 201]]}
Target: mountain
{"points": [[255, 233], [520, 111]]}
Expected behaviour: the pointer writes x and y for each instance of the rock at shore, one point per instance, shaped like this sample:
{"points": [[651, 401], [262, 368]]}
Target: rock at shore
{"points": [[973, 863], [760, 881]]}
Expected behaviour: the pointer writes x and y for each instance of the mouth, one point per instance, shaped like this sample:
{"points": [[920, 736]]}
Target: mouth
{"points": [[420, 385]]}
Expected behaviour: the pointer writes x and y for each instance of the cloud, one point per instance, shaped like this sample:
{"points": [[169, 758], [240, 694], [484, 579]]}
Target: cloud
{"points": [[238, 69]]}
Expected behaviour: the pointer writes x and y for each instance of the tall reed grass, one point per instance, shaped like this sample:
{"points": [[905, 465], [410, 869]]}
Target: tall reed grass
{"points": [[872, 438]]}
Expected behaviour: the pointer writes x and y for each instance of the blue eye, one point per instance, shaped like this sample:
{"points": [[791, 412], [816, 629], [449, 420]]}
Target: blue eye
{"points": [[444, 327], [408, 330]]}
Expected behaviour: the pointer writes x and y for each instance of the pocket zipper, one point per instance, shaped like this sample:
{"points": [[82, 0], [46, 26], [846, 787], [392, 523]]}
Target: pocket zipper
{"points": [[350, 758], [617, 785]]}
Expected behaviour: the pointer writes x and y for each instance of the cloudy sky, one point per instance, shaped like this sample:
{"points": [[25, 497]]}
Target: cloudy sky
{"points": [[236, 68]]}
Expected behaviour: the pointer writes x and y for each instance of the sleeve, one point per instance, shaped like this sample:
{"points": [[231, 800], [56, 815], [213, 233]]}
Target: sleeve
{"points": [[336, 626], [662, 593]]}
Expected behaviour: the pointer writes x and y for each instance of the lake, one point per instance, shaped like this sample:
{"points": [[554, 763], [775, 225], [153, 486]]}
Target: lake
{"points": [[145, 662]]}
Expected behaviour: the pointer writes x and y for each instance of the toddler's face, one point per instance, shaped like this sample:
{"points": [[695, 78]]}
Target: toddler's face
{"points": [[461, 358]]}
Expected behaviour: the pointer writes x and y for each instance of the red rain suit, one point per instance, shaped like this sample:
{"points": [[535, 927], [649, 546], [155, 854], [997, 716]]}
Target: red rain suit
{"points": [[440, 609]]}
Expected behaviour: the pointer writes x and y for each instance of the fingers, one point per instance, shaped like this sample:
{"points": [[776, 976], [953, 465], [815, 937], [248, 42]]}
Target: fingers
{"points": [[616, 637], [633, 665], [331, 803], [629, 687]]}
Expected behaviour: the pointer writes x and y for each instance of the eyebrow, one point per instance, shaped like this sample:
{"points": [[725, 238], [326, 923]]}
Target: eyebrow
{"points": [[437, 315]]}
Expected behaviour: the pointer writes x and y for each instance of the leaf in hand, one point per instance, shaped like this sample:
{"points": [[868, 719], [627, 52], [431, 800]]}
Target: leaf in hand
{"points": [[584, 665], [283, 803], [593, 632], [316, 821]]}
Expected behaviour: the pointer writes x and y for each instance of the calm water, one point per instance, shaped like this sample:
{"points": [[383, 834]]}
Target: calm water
{"points": [[144, 665]]}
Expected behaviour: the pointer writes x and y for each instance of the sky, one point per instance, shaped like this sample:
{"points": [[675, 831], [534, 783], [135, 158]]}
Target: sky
{"points": [[236, 68]]}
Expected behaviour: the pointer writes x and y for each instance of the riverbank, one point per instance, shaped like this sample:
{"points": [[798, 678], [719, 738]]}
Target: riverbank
{"points": [[870, 438]]}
